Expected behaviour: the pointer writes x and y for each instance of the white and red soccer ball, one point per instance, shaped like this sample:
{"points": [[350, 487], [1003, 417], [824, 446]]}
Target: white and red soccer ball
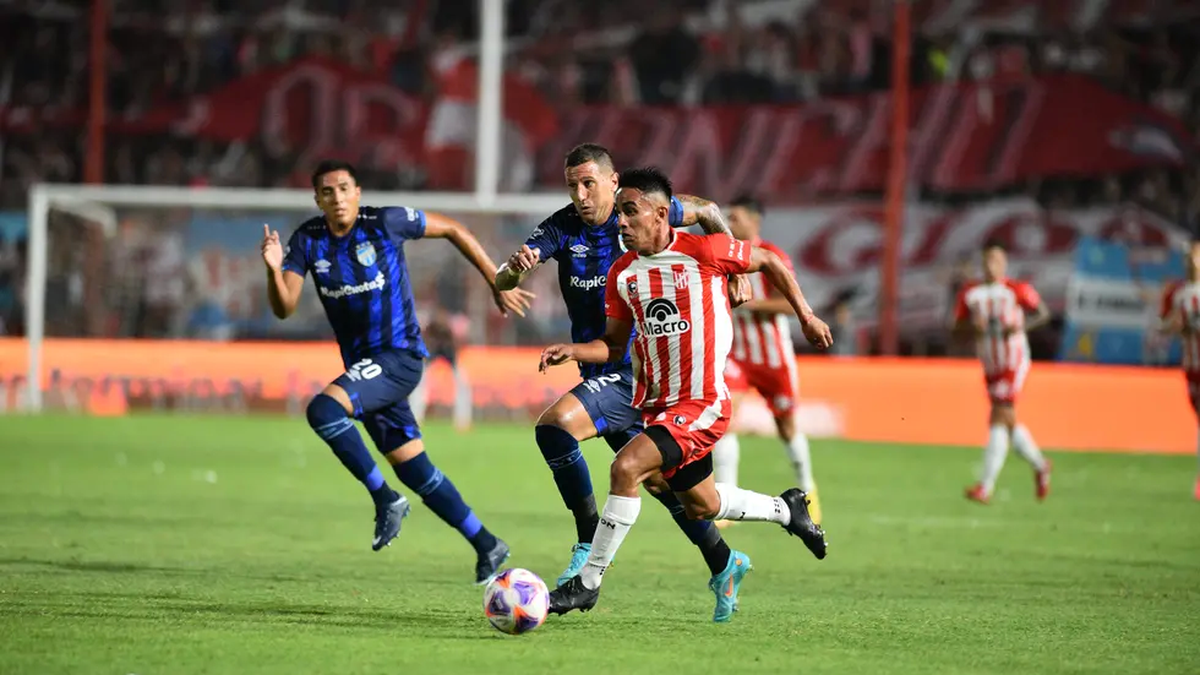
{"points": [[516, 601]]}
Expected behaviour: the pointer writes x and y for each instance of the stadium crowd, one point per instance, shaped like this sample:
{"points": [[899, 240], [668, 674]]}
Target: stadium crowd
{"points": [[683, 52], [678, 53]]}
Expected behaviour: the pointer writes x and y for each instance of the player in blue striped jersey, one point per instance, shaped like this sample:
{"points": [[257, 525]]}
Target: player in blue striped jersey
{"points": [[355, 255], [583, 239]]}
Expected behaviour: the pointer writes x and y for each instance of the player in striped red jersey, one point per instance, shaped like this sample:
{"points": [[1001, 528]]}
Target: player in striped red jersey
{"points": [[764, 358], [672, 286], [994, 310], [1181, 316]]}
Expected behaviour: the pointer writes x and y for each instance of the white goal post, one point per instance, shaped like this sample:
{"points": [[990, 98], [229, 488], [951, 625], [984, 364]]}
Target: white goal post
{"points": [[96, 203]]}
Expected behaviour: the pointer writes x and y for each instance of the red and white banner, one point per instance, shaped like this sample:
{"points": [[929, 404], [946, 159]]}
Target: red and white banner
{"points": [[966, 137], [838, 249]]}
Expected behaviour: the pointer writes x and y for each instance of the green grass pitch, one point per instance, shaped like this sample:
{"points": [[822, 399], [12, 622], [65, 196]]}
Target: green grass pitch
{"points": [[155, 545]]}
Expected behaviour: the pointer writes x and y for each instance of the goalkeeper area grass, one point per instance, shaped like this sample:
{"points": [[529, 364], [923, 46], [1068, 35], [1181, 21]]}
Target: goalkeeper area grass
{"points": [[174, 544]]}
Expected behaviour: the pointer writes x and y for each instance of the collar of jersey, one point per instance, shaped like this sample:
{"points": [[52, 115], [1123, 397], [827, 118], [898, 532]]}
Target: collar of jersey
{"points": [[670, 244]]}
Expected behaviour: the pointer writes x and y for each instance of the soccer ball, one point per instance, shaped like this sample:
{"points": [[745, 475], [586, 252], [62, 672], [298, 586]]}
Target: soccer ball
{"points": [[516, 601]]}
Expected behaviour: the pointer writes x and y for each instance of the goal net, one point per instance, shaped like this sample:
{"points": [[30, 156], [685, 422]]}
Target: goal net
{"points": [[156, 297]]}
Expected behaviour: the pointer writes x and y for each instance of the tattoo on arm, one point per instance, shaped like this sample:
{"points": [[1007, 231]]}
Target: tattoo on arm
{"points": [[706, 214]]}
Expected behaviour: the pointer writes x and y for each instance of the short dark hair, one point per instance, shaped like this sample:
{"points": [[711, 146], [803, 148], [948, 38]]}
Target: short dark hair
{"points": [[589, 152], [329, 166], [648, 180], [748, 202]]}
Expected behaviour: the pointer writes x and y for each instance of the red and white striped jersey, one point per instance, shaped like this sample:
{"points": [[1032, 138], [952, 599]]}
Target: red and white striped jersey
{"points": [[1184, 297], [763, 339], [999, 306], [677, 300]]}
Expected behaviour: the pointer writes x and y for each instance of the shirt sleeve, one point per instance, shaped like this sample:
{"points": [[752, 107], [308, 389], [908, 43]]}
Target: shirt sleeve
{"points": [[675, 214], [546, 238], [729, 255], [404, 222], [295, 254], [615, 306], [1028, 297]]}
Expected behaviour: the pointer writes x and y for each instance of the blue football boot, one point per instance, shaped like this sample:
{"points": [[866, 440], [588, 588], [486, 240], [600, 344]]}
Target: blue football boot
{"points": [[579, 556], [726, 585]]}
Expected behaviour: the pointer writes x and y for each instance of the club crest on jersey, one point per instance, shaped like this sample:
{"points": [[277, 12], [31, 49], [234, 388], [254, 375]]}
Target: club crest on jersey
{"points": [[662, 319], [681, 280], [631, 286], [365, 252]]}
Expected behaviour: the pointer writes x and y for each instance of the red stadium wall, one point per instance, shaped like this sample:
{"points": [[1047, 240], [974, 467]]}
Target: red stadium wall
{"points": [[899, 400]]}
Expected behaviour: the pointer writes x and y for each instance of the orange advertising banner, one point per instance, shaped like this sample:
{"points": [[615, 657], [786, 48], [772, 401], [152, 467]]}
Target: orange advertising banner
{"points": [[929, 401]]}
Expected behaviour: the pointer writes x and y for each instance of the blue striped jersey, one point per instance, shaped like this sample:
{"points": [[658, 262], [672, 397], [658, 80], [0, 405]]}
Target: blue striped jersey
{"points": [[362, 279], [584, 253]]}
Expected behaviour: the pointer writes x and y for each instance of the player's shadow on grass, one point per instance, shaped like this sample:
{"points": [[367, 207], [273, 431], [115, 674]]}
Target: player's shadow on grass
{"points": [[119, 567], [134, 606], [105, 566]]}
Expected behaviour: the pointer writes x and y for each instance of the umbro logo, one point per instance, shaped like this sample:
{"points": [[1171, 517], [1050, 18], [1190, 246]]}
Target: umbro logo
{"points": [[579, 250], [322, 266]]}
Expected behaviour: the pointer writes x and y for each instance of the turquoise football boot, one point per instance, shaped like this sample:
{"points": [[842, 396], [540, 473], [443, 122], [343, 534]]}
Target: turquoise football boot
{"points": [[579, 556], [726, 585]]}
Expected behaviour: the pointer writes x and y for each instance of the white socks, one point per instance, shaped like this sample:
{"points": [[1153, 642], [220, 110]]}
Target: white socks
{"points": [[726, 454], [739, 504], [1023, 443], [993, 456], [797, 450], [620, 513]]}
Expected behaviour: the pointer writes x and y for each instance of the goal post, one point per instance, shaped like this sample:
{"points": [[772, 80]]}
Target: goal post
{"points": [[85, 242]]}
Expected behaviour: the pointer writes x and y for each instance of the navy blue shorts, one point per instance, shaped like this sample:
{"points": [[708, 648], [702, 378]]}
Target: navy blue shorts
{"points": [[379, 388], [608, 400]]}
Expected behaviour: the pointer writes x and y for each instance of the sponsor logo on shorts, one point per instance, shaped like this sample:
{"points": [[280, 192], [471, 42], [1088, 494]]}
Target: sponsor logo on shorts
{"points": [[663, 319]]}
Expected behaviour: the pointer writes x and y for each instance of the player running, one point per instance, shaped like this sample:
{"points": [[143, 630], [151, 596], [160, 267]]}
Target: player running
{"points": [[672, 285], [1181, 316], [583, 237], [763, 358], [994, 311], [356, 258]]}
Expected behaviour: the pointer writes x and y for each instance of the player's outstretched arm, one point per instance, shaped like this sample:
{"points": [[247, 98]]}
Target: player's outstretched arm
{"points": [[519, 265], [507, 300], [610, 347], [283, 287], [776, 271]]}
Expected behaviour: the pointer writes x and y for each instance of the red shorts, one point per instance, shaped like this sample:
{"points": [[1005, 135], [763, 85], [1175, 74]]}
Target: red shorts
{"points": [[777, 385], [695, 425], [1004, 387]]}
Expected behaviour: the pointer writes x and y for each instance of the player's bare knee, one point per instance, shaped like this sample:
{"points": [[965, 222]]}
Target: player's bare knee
{"points": [[702, 507], [656, 485], [567, 413], [405, 452], [786, 424]]}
